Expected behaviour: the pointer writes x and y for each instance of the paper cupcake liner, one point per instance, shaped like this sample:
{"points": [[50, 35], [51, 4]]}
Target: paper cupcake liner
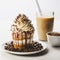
{"points": [[19, 40]]}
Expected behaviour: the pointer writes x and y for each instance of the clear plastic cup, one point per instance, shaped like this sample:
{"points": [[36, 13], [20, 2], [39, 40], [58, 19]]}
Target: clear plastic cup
{"points": [[44, 24]]}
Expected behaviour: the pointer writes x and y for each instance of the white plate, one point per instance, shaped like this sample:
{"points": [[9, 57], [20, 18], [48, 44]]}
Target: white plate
{"points": [[28, 53]]}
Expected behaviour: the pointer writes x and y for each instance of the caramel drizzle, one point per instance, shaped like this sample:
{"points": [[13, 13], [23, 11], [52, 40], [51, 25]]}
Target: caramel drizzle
{"points": [[25, 38], [26, 33]]}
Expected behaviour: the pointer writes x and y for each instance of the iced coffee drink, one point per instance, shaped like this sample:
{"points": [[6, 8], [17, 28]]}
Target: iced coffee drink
{"points": [[44, 25]]}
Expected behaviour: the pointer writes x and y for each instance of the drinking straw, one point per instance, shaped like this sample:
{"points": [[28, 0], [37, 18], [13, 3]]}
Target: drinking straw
{"points": [[38, 6]]}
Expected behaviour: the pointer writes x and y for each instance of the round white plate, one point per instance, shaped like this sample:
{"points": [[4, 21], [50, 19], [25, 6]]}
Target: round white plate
{"points": [[28, 53]]}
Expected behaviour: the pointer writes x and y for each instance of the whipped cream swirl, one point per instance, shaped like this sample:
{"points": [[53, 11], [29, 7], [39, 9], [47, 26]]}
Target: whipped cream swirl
{"points": [[22, 23]]}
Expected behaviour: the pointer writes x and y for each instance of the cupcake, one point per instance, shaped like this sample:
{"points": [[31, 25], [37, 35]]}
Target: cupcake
{"points": [[22, 32]]}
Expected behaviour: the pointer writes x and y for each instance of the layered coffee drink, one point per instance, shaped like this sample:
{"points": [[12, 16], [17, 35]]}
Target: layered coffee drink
{"points": [[44, 25]]}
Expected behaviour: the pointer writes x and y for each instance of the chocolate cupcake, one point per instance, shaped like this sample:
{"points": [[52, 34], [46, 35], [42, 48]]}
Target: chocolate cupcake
{"points": [[22, 32]]}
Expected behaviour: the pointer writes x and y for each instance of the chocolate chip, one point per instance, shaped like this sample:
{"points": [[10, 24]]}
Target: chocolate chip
{"points": [[11, 42], [6, 43], [6, 47]]}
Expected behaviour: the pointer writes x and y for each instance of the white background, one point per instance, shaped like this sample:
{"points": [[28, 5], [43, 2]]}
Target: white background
{"points": [[9, 9]]}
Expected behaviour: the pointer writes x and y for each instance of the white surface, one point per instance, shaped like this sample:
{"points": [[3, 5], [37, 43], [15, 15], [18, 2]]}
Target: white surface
{"points": [[9, 9], [53, 54]]}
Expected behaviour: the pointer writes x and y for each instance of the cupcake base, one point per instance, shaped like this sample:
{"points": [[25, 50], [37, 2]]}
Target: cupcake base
{"points": [[22, 39]]}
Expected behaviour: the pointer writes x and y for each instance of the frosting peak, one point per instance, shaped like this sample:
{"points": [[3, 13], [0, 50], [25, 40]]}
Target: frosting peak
{"points": [[22, 23]]}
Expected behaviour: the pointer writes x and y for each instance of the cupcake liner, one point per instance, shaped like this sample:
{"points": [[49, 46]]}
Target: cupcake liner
{"points": [[21, 39]]}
